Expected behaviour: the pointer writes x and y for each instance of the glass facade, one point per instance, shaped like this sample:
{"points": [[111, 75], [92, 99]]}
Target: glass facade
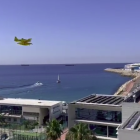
{"points": [[98, 130], [98, 115], [105, 131], [112, 131], [11, 110]]}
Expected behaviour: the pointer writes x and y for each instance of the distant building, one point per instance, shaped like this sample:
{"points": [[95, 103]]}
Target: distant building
{"points": [[15, 110], [132, 67]]}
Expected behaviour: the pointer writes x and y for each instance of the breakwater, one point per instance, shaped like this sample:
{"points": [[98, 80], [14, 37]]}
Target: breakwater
{"points": [[123, 72]]}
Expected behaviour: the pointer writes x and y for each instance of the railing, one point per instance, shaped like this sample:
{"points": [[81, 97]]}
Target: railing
{"points": [[12, 112]]}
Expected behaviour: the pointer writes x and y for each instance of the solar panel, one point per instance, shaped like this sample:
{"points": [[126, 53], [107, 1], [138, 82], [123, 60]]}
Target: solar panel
{"points": [[90, 99], [114, 100], [118, 102], [108, 100], [97, 99], [84, 99], [133, 120], [104, 99]]}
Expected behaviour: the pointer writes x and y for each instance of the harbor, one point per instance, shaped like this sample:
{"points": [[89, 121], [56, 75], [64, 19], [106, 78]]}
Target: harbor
{"points": [[130, 70]]}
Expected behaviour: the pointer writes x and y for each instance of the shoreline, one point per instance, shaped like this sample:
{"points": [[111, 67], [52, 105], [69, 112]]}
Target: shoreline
{"points": [[124, 89]]}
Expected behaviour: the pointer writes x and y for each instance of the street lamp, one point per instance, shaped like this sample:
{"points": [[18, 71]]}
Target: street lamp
{"points": [[134, 97]]}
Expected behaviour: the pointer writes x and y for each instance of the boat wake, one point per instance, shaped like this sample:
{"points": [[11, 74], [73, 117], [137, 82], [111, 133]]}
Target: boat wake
{"points": [[37, 84]]}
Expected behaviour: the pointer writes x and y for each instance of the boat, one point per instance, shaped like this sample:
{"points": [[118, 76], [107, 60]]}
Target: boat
{"points": [[38, 84], [58, 80]]}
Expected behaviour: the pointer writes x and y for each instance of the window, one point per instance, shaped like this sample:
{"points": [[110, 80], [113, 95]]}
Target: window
{"points": [[15, 119], [11, 109]]}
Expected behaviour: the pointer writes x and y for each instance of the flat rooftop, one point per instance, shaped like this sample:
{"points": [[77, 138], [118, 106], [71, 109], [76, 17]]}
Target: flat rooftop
{"points": [[27, 102], [133, 122], [102, 99]]}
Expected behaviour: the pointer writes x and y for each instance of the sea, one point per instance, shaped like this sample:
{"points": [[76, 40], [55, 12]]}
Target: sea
{"points": [[77, 81]]}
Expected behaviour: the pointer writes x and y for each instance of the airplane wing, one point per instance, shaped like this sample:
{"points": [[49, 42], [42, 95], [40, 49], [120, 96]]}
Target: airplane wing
{"points": [[29, 40], [24, 43]]}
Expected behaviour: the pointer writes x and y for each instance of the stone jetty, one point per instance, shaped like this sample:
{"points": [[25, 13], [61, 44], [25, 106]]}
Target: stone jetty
{"points": [[123, 72]]}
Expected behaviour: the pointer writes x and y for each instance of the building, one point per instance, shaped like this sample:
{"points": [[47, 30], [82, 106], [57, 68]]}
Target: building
{"points": [[134, 67], [130, 127], [15, 110], [102, 113]]}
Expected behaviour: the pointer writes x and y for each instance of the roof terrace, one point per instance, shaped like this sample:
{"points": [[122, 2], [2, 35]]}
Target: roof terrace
{"points": [[102, 100], [27, 102]]}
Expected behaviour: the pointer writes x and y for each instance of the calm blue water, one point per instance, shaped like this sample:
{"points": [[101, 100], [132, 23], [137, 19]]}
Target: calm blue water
{"points": [[76, 81]]}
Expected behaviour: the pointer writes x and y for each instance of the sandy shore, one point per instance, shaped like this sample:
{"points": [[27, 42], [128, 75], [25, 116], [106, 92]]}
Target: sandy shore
{"points": [[126, 87]]}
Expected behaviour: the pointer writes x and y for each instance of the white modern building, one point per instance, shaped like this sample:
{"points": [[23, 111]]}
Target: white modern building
{"points": [[109, 117], [134, 66], [130, 127], [15, 109], [102, 113]]}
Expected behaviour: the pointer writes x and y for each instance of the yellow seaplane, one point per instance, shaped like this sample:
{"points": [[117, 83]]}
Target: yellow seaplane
{"points": [[22, 41]]}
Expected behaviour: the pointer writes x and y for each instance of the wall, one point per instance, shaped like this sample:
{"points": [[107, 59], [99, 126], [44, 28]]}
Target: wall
{"points": [[71, 115], [128, 135], [30, 109], [43, 112], [128, 109], [56, 111]]}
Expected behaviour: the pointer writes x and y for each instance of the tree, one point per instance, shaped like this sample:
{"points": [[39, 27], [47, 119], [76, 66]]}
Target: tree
{"points": [[80, 132], [26, 124], [53, 130], [2, 121]]}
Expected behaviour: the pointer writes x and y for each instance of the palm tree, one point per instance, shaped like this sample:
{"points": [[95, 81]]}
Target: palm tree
{"points": [[80, 132], [53, 130], [2, 119]]}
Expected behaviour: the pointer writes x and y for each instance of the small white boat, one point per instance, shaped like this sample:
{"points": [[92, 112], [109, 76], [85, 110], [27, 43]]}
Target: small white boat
{"points": [[58, 80], [38, 84]]}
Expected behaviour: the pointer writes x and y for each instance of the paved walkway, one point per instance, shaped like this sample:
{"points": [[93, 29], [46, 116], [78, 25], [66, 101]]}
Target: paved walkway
{"points": [[63, 136], [129, 86]]}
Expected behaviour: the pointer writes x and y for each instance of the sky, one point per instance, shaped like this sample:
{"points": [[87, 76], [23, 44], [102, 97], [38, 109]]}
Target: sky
{"points": [[70, 31]]}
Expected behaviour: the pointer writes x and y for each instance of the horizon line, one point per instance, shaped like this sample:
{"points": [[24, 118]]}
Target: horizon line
{"points": [[69, 63]]}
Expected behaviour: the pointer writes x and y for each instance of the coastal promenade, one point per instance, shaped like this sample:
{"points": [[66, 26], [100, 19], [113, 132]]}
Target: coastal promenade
{"points": [[129, 85]]}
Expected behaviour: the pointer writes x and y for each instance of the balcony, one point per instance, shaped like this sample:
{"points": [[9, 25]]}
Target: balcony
{"points": [[98, 115]]}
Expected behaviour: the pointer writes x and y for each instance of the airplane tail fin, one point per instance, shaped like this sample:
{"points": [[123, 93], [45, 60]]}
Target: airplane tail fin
{"points": [[16, 39]]}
